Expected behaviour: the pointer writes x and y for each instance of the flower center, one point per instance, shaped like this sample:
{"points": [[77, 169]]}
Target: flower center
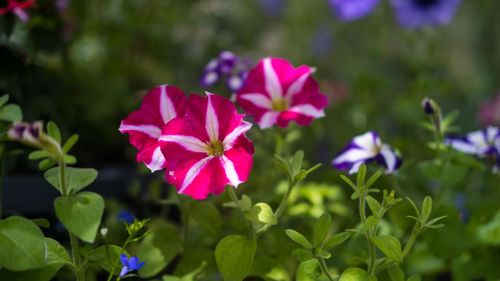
{"points": [[279, 105], [426, 3], [215, 148]]}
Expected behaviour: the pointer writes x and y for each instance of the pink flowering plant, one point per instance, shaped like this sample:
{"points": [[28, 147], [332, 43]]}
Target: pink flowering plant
{"points": [[234, 198]]}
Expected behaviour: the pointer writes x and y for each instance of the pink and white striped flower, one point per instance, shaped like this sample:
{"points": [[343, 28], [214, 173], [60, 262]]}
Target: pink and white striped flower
{"points": [[276, 93], [207, 148], [162, 104]]}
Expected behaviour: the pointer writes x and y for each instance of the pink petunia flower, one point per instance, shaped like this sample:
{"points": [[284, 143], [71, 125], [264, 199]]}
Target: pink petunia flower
{"points": [[207, 148], [17, 7], [144, 126], [276, 93]]}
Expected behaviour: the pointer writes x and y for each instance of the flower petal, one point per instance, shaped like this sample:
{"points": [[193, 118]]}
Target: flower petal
{"points": [[235, 134], [273, 85], [259, 100], [193, 172], [188, 142]]}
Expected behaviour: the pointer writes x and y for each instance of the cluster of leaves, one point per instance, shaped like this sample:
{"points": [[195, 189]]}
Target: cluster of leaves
{"points": [[318, 249]]}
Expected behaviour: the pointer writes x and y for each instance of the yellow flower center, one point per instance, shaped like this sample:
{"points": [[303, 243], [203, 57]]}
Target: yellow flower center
{"points": [[215, 148], [279, 105]]}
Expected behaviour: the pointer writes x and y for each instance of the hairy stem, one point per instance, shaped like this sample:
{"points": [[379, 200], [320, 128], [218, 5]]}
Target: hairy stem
{"points": [[324, 269]]}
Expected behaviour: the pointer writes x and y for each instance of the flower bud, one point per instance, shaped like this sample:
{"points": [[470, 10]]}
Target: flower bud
{"points": [[28, 133], [430, 106]]}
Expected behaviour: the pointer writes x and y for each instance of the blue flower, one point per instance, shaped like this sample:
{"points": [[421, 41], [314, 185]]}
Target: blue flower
{"points": [[482, 143], [414, 14], [126, 217], [129, 264], [366, 148], [349, 10], [226, 66]]}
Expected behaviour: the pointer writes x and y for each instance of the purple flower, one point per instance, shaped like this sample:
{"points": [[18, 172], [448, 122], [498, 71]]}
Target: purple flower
{"points": [[129, 264], [226, 66], [349, 10], [414, 14], [272, 7], [28, 133], [126, 217], [482, 143], [366, 148]]}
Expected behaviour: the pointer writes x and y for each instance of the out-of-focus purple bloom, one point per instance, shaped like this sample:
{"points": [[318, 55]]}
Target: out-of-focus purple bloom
{"points": [[414, 14], [489, 112], [461, 205], [322, 42], [129, 264], [482, 143], [366, 148], [28, 133], [272, 7], [226, 66], [126, 217], [62, 5], [349, 10]]}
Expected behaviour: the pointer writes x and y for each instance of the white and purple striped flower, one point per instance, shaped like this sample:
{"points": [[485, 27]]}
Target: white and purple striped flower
{"points": [[414, 14], [275, 92], [207, 148], [366, 148], [226, 66], [482, 143], [349, 10], [144, 126]]}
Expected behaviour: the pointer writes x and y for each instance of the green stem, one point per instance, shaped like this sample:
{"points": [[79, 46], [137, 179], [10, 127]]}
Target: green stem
{"points": [[368, 234], [234, 197], [281, 208], [72, 238], [2, 162], [324, 269], [125, 244]]}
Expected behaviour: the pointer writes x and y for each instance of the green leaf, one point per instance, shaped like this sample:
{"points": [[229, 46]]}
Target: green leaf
{"points": [[11, 113], [70, 143], [107, 255], [354, 274], [360, 179], [373, 179], [296, 163], [298, 238], [415, 277], [3, 100], [158, 248], [261, 213], [349, 182], [370, 222], [302, 255], [337, 239], [373, 204], [307, 271], [322, 228], [207, 216], [81, 214], [41, 222], [426, 209], [396, 273], [171, 278], [53, 131], [22, 244], [46, 164], [56, 257], [390, 246], [76, 178], [38, 154], [234, 256]]}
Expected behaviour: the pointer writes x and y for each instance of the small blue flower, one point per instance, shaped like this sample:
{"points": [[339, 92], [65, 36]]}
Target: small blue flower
{"points": [[226, 66], [129, 264], [366, 148], [349, 10], [414, 14], [126, 217]]}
